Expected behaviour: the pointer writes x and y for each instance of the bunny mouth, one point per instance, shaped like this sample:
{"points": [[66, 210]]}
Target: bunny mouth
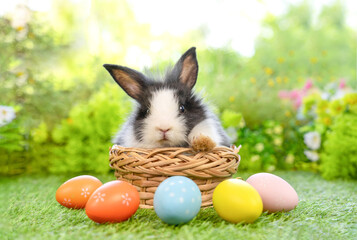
{"points": [[164, 138], [164, 142]]}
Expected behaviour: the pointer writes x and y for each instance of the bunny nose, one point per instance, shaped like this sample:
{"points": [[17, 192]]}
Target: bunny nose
{"points": [[164, 130]]}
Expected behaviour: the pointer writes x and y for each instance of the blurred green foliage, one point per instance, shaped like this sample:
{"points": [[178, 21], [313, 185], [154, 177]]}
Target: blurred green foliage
{"points": [[80, 142], [339, 159], [26, 87], [271, 146], [11, 146], [335, 120], [68, 107]]}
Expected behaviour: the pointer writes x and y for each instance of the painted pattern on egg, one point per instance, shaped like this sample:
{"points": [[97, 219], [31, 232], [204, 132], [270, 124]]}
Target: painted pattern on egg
{"points": [[115, 201], [99, 197], [85, 192], [177, 200], [126, 199], [75, 192], [67, 202]]}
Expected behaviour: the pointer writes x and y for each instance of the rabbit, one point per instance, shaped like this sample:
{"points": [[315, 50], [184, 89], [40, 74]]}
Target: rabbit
{"points": [[167, 113]]}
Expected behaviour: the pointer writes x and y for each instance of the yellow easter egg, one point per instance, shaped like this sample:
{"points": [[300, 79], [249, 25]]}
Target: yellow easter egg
{"points": [[237, 201]]}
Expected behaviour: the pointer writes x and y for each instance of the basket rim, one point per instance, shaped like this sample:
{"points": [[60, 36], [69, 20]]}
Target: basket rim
{"points": [[233, 148], [174, 161]]}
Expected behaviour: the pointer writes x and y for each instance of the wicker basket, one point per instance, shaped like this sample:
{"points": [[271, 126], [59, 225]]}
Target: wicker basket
{"points": [[147, 168]]}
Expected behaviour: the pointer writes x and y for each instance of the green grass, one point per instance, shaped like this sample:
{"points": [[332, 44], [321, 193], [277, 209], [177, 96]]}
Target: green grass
{"points": [[327, 210]]}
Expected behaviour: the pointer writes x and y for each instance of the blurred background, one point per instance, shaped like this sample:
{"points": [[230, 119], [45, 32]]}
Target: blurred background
{"points": [[281, 75]]}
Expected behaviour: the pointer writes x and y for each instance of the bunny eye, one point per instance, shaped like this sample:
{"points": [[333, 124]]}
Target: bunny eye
{"points": [[182, 109], [145, 111]]}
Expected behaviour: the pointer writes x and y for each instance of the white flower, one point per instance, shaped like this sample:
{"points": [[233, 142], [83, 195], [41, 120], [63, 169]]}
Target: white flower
{"points": [[340, 93], [20, 17], [300, 115], [325, 96], [7, 114], [312, 140], [312, 155]]}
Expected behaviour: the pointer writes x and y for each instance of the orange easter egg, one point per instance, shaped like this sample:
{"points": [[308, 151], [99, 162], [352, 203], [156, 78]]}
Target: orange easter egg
{"points": [[115, 201], [76, 191]]}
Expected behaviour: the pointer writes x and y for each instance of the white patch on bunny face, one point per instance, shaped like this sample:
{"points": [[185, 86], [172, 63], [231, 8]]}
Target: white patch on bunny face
{"points": [[164, 114]]}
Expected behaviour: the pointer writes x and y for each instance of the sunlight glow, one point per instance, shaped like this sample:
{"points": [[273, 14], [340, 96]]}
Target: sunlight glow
{"points": [[233, 22]]}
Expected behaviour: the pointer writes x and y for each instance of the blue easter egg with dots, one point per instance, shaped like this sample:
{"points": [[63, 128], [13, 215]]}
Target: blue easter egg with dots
{"points": [[177, 200]]}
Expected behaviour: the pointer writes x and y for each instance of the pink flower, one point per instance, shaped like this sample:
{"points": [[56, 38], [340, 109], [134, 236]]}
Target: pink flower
{"points": [[297, 102], [308, 85], [284, 94], [295, 94], [342, 84]]}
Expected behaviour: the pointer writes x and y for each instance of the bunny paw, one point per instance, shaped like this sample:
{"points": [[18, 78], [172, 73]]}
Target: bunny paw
{"points": [[202, 144]]}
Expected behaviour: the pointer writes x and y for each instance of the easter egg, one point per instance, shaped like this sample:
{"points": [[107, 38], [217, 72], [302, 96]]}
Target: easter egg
{"points": [[115, 201], [276, 193], [75, 192], [237, 201], [177, 200]]}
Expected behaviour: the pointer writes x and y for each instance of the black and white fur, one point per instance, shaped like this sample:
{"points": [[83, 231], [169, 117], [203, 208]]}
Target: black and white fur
{"points": [[167, 113]]}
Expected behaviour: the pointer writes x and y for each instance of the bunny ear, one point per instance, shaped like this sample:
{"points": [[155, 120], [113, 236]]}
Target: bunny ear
{"points": [[131, 81], [187, 68]]}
